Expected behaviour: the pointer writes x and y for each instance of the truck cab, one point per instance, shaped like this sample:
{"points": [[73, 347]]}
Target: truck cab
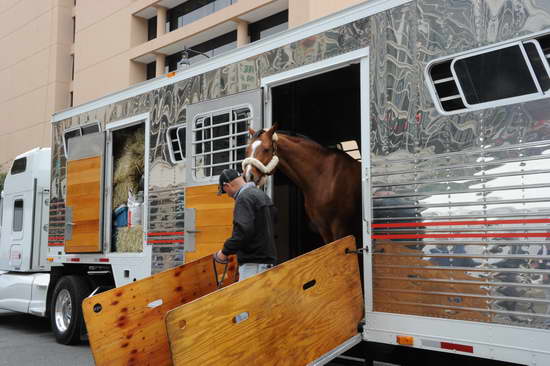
{"points": [[24, 233]]}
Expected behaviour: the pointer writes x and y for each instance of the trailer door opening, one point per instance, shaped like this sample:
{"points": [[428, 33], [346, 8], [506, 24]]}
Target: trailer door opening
{"points": [[325, 108]]}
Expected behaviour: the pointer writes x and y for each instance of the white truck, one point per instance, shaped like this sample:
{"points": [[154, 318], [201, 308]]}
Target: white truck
{"points": [[24, 234]]}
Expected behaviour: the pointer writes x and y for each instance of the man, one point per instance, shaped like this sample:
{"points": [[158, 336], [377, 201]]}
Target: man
{"points": [[252, 238]]}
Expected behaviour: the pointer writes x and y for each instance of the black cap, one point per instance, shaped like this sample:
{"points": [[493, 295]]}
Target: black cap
{"points": [[227, 176]]}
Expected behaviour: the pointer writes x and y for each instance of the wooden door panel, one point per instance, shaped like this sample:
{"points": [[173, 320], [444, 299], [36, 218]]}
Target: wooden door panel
{"points": [[84, 199], [282, 320], [123, 326], [214, 219]]}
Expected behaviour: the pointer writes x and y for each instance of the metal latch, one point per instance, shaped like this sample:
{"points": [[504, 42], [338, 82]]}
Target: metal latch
{"points": [[357, 251]]}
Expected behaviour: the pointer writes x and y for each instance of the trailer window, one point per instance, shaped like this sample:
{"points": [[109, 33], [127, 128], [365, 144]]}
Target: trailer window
{"points": [[219, 141], [69, 135], [79, 131], [17, 216], [19, 166], [512, 73], [93, 128], [176, 143]]}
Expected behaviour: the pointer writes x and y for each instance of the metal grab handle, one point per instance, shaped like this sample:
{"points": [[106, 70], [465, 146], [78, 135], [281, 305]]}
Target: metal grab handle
{"points": [[192, 231], [71, 223]]}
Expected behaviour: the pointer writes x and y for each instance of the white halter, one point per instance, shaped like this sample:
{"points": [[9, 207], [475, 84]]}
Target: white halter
{"points": [[265, 169]]}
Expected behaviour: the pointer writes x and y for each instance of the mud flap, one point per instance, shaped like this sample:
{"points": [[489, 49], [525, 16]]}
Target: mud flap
{"points": [[304, 311]]}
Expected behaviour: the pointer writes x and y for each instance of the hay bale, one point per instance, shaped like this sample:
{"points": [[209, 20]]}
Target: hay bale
{"points": [[129, 239], [128, 166]]}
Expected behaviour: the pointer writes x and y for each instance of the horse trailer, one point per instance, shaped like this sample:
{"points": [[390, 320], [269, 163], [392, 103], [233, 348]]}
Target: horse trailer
{"points": [[443, 103]]}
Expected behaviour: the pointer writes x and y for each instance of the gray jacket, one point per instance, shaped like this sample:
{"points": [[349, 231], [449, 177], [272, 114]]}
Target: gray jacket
{"points": [[253, 237]]}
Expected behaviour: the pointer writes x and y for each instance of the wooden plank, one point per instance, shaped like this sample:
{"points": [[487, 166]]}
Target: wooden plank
{"points": [[432, 311], [127, 331], [453, 300], [429, 286], [84, 197], [286, 324], [213, 234], [214, 219], [204, 249]]}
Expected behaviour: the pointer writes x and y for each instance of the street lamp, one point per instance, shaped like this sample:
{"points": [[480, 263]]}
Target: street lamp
{"points": [[184, 62]]}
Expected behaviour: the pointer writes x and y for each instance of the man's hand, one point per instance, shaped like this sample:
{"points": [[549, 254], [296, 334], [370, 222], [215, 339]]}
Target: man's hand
{"points": [[220, 257]]}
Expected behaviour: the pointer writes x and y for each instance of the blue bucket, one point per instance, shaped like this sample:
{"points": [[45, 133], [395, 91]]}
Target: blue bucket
{"points": [[121, 216]]}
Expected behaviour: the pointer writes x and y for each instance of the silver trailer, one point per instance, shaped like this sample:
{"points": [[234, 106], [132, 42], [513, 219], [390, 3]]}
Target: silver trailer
{"points": [[445, 104]]}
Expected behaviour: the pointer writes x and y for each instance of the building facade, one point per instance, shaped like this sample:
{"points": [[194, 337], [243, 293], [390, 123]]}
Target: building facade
{"points": [[61, 53]]}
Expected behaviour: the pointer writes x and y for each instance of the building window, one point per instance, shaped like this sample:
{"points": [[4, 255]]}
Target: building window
{"points": [[176, 142], [193, 10], [513, 73], [152, 28], [71, 99], [268, 26], [19, 166], [72, 67], [74, 29], [17, 216], [151, 70], [219, 141], [211, 48]]}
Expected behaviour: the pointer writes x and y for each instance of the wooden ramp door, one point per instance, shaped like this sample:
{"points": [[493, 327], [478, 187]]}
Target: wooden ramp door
{"points": [[126, 324], [292, 314], [84, 194]]}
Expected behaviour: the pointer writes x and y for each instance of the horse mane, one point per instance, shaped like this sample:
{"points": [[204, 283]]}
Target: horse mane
{"points": [[308, 139]]}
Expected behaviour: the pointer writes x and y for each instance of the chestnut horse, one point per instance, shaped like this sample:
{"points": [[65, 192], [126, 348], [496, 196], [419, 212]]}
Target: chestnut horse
{"points": [[329, 179]]}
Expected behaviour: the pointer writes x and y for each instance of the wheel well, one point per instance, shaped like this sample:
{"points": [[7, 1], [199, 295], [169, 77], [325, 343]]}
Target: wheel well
{"points": [[95, 275]]}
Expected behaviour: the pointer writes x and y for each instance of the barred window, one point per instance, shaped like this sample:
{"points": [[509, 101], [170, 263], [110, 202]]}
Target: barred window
{"points": [[219, 140], [176, 143]]}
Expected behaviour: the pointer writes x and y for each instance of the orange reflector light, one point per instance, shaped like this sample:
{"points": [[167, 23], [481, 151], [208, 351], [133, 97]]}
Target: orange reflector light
{"points": [[405, 340], [170, 74], [50, 259]]}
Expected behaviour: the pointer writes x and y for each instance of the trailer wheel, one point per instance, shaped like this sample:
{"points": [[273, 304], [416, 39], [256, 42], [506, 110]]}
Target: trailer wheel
{"points": [[66, 309]]}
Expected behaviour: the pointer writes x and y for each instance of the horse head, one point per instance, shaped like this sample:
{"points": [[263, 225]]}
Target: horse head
{"points": [[261, 155]]}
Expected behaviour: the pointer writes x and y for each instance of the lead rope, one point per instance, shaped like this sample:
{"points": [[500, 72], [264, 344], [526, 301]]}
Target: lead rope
{"points": [[219, 283]]}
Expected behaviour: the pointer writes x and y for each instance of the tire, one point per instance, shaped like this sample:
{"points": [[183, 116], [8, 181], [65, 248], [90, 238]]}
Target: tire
{"points": [[66, 309]]}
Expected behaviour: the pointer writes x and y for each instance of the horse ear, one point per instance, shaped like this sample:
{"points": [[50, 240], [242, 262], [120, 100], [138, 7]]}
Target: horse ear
{"points": [[251, 132], [272, 130]]}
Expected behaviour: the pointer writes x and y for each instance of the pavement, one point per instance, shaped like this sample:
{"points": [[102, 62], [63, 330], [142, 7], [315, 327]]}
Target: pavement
{"points": [[28, 340]]}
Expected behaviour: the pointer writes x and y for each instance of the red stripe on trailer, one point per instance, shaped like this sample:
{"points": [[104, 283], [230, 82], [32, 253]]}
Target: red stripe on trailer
{"points": [[74, 259], [54, 238], [166, 233], [457, 347], [449, 236], [459, 223], [164, 241], [104, 259]]}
